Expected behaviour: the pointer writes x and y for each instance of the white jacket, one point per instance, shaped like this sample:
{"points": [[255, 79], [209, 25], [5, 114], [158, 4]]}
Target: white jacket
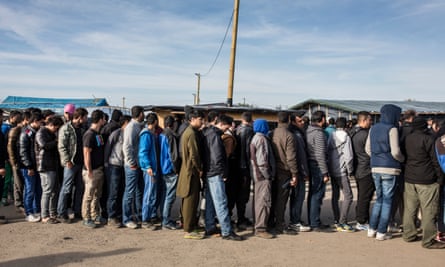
{"points": [[340, 154]]}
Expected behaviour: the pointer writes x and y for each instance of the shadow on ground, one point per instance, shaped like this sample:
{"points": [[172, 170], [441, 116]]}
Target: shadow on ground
{"points": [[64, 258]]}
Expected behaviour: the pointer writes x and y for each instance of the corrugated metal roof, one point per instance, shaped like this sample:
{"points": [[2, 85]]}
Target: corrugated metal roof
{"points": [[374, 105], [21, 102]]}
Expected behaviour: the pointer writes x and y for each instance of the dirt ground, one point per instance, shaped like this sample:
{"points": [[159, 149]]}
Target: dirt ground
{"points": [[37, 244]]}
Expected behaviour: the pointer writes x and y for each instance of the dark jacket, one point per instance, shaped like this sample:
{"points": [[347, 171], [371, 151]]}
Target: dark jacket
{"points": [[362, 165], [303, 167], [421, 161], [47, 155], [27, 149], [317, 148], [108, 129], [215, 160], [13, 146], [244, 134], [283, 143], [2, 151]]}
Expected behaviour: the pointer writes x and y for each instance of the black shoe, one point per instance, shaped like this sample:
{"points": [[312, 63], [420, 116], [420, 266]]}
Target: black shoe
{"points": [[215, 232], [65, 219], [322, 229], [436, 245], [232, 236], [415, 239]]}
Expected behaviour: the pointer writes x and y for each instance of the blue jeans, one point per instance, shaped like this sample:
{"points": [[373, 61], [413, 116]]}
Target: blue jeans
{"points": [[297, 195], [216, 204], [381, 212], [316, 194], [33, 193], [169, 196], [150, 197], [71, 177], [132, 194], [115, 180]]}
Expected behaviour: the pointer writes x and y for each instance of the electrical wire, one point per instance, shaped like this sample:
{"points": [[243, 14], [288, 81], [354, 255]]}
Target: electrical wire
{"points": [[220, 47]]}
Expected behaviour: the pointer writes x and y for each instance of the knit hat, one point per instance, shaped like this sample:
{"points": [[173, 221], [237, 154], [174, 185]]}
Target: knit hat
{"points": [[69, 108], [419, 123]]}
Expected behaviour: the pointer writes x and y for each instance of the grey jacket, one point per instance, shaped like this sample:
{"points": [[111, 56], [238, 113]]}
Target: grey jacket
{"points": [[130, 144], [114, 154], [340, 154], [316, 148], [262, 158], [67, 143]]}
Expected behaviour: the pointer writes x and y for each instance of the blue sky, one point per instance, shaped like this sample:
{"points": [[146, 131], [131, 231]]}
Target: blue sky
{"points": [[288, 51]]}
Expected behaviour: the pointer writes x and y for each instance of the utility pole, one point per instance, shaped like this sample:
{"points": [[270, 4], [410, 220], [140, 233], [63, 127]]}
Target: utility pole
{"points": [[233, 54], [198, 89], [123, 102]]}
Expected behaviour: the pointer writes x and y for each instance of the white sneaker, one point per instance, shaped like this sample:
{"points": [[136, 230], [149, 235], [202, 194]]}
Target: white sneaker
{"points": [[383, 236], [131, 225], [371, 232], [32, 218], [362, 227]]}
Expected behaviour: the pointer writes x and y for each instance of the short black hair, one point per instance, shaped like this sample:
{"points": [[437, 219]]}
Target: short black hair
{"points": [[247, 116], [136, 111], [196, 114], [283, 117], [123, 119], [47, 112], [225, 119], [116, 115], [340, 122], [212, 116], [97, 115], [318, 116], [35, 116], [151, 118], [80, 112], [169, 121], [56, 121]]}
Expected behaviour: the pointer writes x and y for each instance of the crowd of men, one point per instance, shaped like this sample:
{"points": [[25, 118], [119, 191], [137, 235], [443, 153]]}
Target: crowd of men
{"points": [[127, 172]]}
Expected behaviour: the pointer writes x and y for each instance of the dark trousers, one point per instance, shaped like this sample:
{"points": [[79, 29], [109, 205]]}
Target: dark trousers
{"points": [[397, 202], [115, 176], [19, 185], [365, 192], [281, 198], [238, 193]]}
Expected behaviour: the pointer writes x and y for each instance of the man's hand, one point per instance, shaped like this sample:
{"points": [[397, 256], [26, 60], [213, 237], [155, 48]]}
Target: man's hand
{"points": [[150, 172], [325, 179], [69, 165], [293, 182], [2, 172], [31, 172]]}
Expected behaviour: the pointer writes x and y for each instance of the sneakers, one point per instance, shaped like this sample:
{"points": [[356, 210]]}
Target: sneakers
{"points": [[89, 223], [264, 235], [287, 231], [50, 220], [114, 222], [33, 218], [362, 227], [99, 220], [436, 245], [193, 235], [383, 236], [149, 225], [215, 232], [344, 227], [371, 232], [232, 236], [170, 226], [244, 225], [65, 219], [300, 227], [131, 225]]}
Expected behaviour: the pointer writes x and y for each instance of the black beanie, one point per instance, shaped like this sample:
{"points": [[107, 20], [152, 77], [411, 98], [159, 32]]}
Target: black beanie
{"points": [[419, 123]]}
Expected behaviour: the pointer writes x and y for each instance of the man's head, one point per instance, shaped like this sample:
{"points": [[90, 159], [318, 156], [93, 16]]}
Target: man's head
{"points": [[116, 115], [340, 123], [169, 122], [152, 120], [296, 118], [196, 118], [98, 118], [80, 116], [283, 117], [246, 117], [318, 118], [15, 117], [224, 122], [36, 120], [68, 111], [212, 117], [364, 119], [54, 123], [409, 115], [137, 113]]}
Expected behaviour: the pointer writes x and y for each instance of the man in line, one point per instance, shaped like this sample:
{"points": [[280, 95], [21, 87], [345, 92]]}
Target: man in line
{"points": [[170, 164], [263, 173], [317, 158], [133, 174], [190, 174], [386, 157], [2, 164], [149, 163], [93, 171], [47, 165], [284, 147], [216, 171], [362, 170], [71, 157]]}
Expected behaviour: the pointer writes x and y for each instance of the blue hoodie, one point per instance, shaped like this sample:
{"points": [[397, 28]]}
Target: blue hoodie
{"points": [[261, 125]]}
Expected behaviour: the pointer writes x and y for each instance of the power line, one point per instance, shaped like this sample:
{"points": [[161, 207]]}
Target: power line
{"points": [[220, 47]]}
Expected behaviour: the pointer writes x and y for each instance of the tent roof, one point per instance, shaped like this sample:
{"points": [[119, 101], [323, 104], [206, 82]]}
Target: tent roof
{"points": [[57, 104]]}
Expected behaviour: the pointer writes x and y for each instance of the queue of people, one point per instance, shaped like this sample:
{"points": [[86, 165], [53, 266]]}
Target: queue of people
{"points": [[127, 172]]}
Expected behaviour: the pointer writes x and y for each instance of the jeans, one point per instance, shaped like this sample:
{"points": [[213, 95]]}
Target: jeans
{"points": [[33, 193], [341, 183], [169, 195], [71, 177], [132, 194], [297, 195], [381, 212], [115, 180], [316, 194], [216, 204], [50, 182], [150, 197]]}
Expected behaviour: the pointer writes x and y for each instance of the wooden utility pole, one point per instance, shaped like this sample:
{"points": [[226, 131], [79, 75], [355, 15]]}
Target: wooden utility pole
{"points": [[198, 89], [233, 54]]}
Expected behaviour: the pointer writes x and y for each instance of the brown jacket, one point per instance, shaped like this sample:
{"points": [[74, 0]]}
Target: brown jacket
{"points": [[283, 143], [191, 166]]}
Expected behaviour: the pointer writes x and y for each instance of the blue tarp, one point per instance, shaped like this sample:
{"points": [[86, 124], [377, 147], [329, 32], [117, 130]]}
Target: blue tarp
{"points": [[56, 104]]}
